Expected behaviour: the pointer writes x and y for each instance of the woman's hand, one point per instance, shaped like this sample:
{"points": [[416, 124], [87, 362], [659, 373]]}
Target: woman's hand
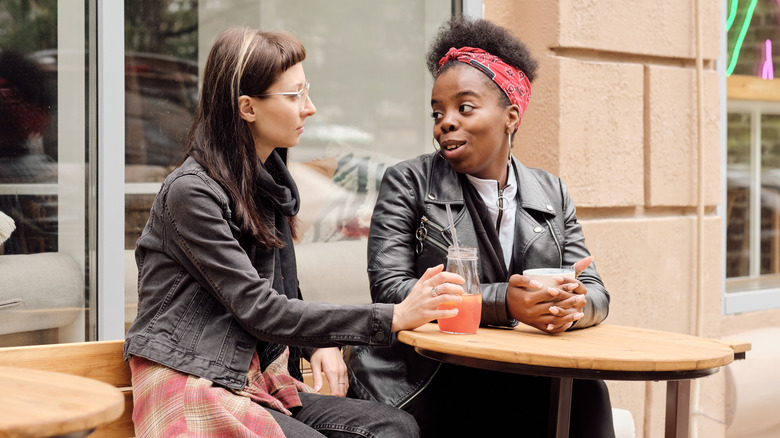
{"points": [[329, 361], [533, 307], [434, 288]]}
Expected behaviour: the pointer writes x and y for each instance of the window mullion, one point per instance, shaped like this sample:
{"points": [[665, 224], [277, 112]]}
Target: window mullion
{"points": [[755, 194]]}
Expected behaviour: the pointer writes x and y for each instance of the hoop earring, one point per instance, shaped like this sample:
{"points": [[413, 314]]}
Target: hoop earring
{"points": [[509, 151], [438, 150]]}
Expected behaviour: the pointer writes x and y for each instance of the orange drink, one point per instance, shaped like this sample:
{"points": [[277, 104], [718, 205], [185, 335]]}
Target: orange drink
{"points": [[469, 315], [463, 261]]}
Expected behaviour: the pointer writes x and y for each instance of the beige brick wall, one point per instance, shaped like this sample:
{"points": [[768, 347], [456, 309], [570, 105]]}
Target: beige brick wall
{"points": [[614, 113], [664, 28], [672, 140]]}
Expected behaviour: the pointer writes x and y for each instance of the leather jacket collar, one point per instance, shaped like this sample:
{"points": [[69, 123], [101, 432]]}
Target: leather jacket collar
{"points": [[441, 190]]}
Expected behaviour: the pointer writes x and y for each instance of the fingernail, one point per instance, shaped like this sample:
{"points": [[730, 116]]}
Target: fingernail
{"points": [[535, 284], [579, 315], [550, 326], [553, 291], [553, 310]]}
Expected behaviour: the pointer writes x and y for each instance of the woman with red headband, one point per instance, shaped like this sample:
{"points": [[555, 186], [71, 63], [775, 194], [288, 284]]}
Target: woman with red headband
{"points": [[517, 217]]}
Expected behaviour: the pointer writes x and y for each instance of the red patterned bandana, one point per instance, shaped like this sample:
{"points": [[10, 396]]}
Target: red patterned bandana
{"points": [[513, 81]]}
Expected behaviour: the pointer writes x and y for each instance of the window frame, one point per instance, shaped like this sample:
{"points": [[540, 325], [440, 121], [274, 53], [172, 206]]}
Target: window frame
{"points": [[110, 190]]}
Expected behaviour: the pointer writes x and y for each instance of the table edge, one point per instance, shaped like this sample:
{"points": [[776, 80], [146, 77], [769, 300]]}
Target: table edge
{"points": [[417, 339], [577, 373]]}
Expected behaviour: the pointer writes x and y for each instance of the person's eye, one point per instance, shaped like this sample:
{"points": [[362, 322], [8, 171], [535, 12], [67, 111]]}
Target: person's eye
{"points": [[436, 115], [465, 108]]}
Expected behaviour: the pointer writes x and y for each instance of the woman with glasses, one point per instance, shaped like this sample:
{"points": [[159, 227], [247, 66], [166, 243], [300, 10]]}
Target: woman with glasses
{"points": [[221, 325], [517, 217]]}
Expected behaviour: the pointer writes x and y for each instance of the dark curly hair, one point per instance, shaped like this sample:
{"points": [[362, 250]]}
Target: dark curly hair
{"points": [[461, 31]]}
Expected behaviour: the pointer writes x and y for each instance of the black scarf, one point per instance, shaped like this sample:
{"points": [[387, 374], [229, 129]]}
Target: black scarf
{"points": [[491, 257], [278, 196]]}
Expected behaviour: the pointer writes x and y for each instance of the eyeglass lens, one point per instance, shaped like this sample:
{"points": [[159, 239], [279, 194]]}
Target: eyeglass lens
{"points": [[302, 97]]}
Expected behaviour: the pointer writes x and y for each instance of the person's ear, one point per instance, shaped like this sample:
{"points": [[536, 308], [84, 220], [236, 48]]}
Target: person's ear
{"points": [[246, 109], [513, 119]]}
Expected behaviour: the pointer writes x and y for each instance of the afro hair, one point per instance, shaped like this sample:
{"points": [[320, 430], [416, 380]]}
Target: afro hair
{"points": [[461, 31]]}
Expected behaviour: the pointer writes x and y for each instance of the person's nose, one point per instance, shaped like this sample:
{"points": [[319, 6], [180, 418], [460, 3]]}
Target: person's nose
{"points": [[448, 124], [309, 109]]}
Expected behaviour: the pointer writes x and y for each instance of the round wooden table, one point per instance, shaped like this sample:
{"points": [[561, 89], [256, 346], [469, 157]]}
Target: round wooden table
{"points": [[36, 403], [605, 352]]}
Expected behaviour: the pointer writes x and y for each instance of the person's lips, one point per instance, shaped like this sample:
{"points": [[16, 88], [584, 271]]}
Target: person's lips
{"points": [[451, 144]]}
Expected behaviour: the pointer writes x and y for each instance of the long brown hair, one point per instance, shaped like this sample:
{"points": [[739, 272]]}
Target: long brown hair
{"points": [[242, 61]]}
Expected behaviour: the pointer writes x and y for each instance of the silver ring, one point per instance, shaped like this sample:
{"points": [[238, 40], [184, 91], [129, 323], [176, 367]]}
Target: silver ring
{"points": [[434, 292]]}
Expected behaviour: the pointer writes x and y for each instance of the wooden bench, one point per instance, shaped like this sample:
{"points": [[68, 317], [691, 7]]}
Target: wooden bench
{"points": [[100, 360]]}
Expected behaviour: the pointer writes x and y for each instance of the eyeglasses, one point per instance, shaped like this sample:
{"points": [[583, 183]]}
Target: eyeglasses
{"points": [[302, 94]]}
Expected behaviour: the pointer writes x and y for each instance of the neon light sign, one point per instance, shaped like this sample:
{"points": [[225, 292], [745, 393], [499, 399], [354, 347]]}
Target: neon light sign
{"points": [[742, 32], [767, 69]]}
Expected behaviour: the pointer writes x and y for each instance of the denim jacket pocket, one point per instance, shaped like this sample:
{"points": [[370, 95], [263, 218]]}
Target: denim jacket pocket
{"points": [[190, 324]]}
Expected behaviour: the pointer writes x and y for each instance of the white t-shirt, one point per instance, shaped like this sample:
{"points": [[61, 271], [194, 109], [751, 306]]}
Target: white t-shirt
{"points": [[489, 190]]}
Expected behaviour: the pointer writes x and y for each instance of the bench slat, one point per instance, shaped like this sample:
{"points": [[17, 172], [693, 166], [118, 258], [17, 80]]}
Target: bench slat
{"points": [[100, 360]]}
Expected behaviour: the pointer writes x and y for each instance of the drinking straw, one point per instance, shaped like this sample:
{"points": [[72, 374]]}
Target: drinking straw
{"points": [[452, 229]]}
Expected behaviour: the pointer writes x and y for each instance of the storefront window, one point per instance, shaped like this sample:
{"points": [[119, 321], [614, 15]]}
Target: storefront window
{"points": [[753, 151], [366, 64], [365, 61], [44, 181]]}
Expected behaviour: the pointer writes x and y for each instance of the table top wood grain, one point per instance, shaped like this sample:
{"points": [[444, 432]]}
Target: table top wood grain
{"points": [[603, 347], [35, 403]]}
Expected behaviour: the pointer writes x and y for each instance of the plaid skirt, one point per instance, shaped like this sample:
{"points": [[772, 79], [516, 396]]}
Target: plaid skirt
{"points": [[168, 403]]}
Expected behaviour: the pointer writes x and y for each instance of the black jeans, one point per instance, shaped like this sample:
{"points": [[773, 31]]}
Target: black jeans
{"points": [[469, 402], [326, 415]]}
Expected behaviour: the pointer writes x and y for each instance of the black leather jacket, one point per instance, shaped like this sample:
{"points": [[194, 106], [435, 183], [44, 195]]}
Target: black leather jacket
{"points": [[409, 234], [203, 302]]}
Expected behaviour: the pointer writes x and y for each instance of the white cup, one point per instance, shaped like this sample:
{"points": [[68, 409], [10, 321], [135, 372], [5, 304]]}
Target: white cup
{"points": [[545, 276]]}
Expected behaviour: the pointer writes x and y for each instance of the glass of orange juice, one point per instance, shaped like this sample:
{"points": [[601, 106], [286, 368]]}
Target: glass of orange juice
{"points": [[463, 261]]}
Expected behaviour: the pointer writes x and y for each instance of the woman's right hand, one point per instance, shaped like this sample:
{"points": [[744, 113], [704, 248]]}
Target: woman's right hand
{"points": [[434, 288]]}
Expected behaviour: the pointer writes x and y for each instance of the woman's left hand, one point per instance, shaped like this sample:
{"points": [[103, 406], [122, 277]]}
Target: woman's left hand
{"points": [[571, 298], [571, 301], [331, 362]]}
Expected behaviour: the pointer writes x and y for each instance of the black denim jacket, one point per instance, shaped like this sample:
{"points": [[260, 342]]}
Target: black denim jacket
{"points": [[409, 233], [203, 303]]}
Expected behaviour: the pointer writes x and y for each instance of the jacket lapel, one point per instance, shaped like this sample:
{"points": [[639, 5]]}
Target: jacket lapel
{"points": [[532, 207]]}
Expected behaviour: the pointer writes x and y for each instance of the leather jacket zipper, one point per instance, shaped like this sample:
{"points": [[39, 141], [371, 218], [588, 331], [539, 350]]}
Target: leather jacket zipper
{"points": [[437, 236], [500, 204], [558, 244]]}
